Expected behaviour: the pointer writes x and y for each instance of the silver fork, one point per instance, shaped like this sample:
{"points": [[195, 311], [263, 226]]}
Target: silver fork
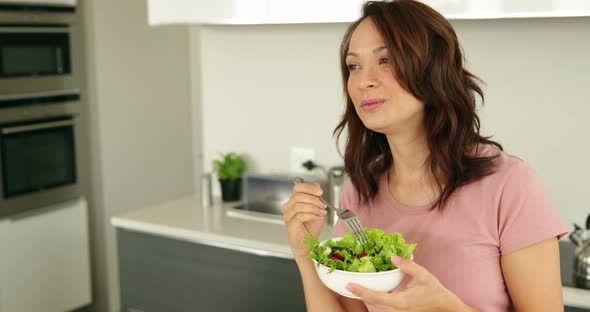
{"points": [[350, 220]]}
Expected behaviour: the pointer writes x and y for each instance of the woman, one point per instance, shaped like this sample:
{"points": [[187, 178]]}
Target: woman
{"points": [[486, 233]]}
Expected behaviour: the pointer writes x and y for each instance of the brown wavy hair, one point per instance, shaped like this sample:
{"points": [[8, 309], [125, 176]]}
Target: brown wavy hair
{"points": [[428, 63]]}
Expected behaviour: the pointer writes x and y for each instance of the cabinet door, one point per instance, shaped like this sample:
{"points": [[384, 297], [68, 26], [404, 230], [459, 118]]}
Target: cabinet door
{"points": [[161, 274], [44, 259]]}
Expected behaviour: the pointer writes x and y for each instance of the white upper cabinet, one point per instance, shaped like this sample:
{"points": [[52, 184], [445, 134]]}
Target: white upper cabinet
{"points": [[252, 11], [228, 12]]}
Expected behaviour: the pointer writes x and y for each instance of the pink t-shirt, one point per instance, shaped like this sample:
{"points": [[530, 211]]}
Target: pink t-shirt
{"points": [[493, 216]]}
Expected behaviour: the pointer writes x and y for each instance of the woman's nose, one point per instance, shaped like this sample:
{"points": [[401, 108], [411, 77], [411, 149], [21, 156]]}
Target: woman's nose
{"points": [[369, 78]]}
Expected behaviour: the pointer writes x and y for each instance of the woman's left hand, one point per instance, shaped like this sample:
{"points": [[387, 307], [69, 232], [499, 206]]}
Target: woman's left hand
{"points": [[423, 292]]}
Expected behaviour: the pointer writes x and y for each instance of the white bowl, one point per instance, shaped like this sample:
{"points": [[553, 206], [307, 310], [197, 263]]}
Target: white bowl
{"points": [[337, 280]]}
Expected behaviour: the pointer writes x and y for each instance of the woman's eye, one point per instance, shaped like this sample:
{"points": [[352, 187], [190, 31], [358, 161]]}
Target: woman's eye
{"points": [[351, 67], [384, 60]]}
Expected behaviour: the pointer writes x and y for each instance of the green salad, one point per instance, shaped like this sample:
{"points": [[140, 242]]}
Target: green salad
{"points": [[347, 255]]}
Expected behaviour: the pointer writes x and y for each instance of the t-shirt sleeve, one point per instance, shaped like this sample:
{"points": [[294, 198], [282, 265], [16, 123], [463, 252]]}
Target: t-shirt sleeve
{"points": [[525, 213]]}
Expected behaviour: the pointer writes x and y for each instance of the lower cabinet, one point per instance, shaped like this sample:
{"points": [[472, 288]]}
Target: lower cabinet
{"points": [[162, 274], [45, 259]]}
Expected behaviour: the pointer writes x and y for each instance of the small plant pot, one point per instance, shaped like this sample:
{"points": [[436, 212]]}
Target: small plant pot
{"points": [[231, 190]]}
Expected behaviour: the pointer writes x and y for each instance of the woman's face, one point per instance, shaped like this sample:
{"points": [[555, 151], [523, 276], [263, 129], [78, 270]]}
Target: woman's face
{"points": [[379, 100]]}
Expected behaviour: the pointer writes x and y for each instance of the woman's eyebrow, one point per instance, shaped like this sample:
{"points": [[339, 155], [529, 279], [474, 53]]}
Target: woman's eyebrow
{"points": [[379, 49], [376, 50]]}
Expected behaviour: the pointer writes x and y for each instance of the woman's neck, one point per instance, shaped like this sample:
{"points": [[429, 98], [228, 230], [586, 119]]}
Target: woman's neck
{"points": [[410, 179], [409, 157]]}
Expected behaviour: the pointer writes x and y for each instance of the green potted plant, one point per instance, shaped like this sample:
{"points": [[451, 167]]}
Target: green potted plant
{"points": [[230, 168]]}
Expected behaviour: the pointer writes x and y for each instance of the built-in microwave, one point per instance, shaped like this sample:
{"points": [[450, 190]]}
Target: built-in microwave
{"points": [[39, 49], [39, 144]]}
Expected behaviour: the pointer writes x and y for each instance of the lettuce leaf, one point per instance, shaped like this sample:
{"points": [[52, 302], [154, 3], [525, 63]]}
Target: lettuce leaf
{"points": [[347, 255]]}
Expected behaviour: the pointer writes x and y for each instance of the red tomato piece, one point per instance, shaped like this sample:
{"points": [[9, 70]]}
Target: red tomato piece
{"points": [[336, 256]]}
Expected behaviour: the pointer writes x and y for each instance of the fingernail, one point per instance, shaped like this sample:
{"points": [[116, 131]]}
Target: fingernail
{"points": [[396, 259], [324, 212]]}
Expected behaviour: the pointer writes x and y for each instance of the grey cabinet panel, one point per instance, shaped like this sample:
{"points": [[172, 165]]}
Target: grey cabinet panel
{"points": [[161, 274]]}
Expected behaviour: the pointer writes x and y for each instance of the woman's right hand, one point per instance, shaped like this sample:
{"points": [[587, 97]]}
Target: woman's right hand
{"points": [[303, 213]]}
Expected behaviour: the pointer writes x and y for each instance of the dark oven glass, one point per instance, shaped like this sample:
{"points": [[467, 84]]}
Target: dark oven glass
{"points": [[37, 156], [34, 54]]}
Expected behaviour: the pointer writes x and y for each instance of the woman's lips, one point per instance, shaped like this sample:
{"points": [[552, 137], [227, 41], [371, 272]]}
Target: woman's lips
{"points": [[372, 104]]}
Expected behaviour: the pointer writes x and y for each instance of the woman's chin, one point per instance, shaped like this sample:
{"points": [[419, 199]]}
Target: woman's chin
{"points": [[376, 125]]}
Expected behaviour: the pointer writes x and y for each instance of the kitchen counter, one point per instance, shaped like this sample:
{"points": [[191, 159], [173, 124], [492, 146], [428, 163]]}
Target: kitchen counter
{"points": [[220, 226]]}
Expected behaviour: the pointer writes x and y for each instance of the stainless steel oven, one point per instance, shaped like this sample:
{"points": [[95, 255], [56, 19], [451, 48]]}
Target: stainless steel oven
{"points": [[39, 48], [39, 145]]}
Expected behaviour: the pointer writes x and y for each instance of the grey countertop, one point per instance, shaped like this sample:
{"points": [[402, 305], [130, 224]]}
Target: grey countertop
{"points": [[221, 226]]}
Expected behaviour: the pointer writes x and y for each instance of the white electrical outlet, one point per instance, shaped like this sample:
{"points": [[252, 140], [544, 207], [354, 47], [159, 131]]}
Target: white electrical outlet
{"points": [[299, 155]]}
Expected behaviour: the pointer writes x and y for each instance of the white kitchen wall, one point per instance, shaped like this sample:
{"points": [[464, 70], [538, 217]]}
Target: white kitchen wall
{"points": [[267, 88], [141, 144], [537, 73]]}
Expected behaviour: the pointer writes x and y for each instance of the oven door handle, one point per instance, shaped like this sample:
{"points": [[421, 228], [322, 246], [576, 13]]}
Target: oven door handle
{"points": [[13, 29], [38, 95], [40, 126]]}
